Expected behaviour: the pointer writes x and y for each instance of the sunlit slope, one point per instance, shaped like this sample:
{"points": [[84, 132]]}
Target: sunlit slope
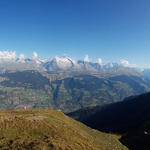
{"points": [[50, 130]]}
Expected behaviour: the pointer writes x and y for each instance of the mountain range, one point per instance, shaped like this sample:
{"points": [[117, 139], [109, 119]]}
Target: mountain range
{"points": [[65, 84], [10, 62]]}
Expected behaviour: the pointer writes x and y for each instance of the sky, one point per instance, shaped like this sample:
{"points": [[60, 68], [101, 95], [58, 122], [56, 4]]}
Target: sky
{"points": [[109, 29]]}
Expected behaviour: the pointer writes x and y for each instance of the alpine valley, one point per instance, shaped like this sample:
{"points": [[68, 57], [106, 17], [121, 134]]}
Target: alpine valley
{"points": [[65, 84]]}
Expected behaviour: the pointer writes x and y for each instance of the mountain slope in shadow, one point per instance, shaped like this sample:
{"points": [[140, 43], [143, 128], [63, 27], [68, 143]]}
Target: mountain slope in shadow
{"points": [[130, 118]]}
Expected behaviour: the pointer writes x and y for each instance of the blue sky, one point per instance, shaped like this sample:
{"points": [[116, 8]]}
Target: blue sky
{"points": [[109, 29]]}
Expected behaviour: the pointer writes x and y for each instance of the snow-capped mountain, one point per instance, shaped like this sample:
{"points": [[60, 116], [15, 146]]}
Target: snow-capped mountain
{"points": [[9, 62], [59, 63]]}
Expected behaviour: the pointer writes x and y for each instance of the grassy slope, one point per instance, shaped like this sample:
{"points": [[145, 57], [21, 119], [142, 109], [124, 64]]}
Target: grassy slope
{"points": [[50, 130]]}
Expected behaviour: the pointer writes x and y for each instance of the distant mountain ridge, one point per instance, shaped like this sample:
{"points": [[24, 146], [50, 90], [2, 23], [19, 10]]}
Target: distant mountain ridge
{"points": [[57, 64], [10, 62]]}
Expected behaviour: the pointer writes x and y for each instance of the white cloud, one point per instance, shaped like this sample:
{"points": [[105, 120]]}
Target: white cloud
{"points": [[126, 63], [6, 56], [100, 61], [35, 56], [10, 56], [86, 58]]}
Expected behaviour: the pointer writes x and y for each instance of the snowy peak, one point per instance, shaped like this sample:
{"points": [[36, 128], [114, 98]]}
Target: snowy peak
{"points": [[10, 61], [63, 62], [60, 63]]}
